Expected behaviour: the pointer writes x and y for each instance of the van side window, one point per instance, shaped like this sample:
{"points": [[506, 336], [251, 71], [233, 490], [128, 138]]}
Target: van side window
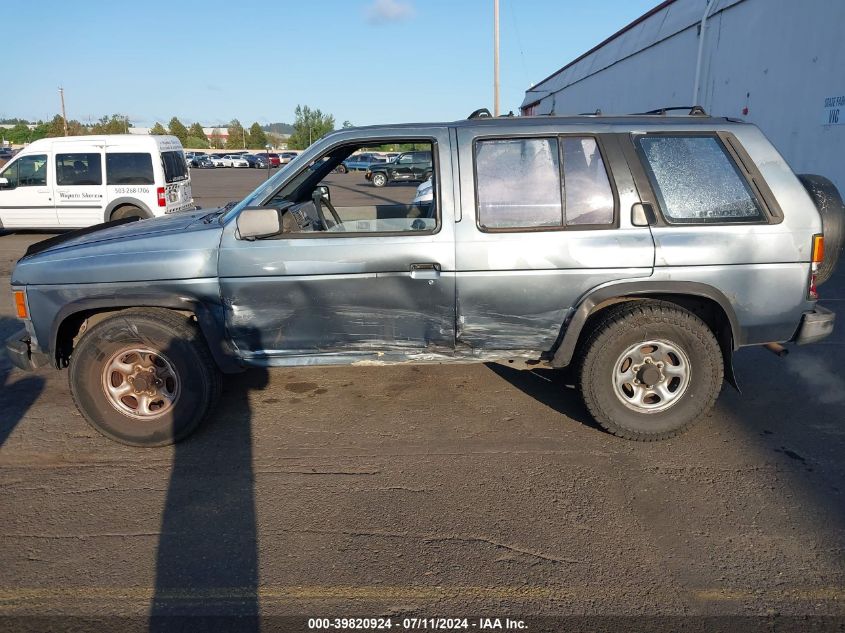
{"points": [[129, 169], [27, 171], [175, 168], [79, 169], [696, 181]]}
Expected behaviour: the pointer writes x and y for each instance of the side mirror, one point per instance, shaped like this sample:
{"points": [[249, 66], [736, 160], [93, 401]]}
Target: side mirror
{"points": [[258, 222], [4, 183], [324, 192]]}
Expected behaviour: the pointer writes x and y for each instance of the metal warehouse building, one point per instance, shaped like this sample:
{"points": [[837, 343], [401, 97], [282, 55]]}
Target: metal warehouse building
{"points": [[777, 63]]}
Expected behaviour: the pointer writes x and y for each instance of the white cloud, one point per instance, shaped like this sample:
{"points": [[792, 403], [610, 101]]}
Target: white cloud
{"points": [[384, 11]]}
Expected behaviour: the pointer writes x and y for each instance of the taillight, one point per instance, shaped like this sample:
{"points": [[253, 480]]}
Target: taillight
{"points": [[818, 249], [815, 262], [20, 304], [162, 200]]}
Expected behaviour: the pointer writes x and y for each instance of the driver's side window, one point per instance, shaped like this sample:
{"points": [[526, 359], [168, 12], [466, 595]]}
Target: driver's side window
{"points": [[326, 201], [27, 171]]}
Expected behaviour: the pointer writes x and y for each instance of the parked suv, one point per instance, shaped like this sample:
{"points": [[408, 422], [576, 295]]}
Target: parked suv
{"points": [[638, 251], [407, 167]]}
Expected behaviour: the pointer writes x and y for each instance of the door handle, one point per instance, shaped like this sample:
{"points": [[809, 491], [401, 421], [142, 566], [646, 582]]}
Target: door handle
{"points": [[425, 271], [642, 214], [42, 190]]}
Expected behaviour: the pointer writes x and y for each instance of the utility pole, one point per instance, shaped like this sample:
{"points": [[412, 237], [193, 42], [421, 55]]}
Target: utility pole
{"points": [[243, 133], [495, 57], [64, 114]]}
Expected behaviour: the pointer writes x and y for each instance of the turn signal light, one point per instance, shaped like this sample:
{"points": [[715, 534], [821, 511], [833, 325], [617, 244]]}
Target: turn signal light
{"points": [[818, 249], [162, 200], [20, 304]]}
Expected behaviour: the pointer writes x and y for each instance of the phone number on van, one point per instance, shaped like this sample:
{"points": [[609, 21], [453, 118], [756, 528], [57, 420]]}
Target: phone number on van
{"points": [[132, 190]]}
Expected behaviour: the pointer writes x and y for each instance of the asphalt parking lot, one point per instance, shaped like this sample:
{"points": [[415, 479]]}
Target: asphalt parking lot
{"points": [[432, 490]]}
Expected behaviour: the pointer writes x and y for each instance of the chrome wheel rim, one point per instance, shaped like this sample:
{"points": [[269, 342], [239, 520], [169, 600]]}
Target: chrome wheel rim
{"points": [[140, 383], [651, 376], [378, 180]]}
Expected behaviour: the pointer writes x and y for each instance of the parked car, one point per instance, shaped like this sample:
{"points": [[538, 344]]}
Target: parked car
{"points": [[359, 162], [255, 160], [409, 166], [640, 251], [202, 162], [286, 157], [235, 160], [77, 181], [275, 159], [425, 192]]}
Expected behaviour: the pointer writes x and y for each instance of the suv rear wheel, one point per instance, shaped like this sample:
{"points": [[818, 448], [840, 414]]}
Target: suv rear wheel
{"points": [[649, 370], [144, 377]]}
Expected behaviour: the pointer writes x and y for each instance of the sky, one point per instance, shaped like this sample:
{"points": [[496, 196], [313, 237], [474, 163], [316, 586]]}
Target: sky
{"points": [[365, 61]]}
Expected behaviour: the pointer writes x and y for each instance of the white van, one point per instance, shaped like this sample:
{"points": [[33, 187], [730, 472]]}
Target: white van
{"points": [[77, 181]]}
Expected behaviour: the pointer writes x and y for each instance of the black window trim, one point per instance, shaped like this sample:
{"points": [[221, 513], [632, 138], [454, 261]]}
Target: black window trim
{"points": [[600, 143], [766, 216], [435, 166]]}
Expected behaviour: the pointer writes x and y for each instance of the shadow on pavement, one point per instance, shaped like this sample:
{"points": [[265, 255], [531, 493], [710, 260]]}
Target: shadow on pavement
{"points": [[548, 386], [16, 397], [207, 561]]}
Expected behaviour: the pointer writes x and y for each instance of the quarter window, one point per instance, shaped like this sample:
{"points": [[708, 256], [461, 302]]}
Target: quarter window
{"points": [[129, 169], [696, 181], [79, 169]]}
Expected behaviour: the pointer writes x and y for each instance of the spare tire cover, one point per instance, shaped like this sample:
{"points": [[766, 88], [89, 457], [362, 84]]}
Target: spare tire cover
{"points": [[832, 210]]}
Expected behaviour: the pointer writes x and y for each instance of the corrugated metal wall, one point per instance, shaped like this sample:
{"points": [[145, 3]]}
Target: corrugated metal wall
{"points": [[780, 59]]}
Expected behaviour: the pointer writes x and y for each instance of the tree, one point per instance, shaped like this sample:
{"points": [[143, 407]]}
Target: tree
{"points": [[56, 128], [197, 132], [309, 126], [193, 142], [237, 135], [114, 124], [178, 130], [348, 123], [158, 129], [256, 138]]}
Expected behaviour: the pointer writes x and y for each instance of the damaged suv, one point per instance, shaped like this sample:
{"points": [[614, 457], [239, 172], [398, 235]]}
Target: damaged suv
{"points": [[640, 251]]}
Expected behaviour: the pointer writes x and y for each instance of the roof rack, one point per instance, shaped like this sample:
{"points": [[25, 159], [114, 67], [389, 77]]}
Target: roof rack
{"points": [[597, 112], [481, 113], [695, 110]]}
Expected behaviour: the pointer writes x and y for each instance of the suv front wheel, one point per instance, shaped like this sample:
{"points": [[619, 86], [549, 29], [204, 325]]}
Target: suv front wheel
{"points": [[649, 370], [379, 179], [144, 377]]}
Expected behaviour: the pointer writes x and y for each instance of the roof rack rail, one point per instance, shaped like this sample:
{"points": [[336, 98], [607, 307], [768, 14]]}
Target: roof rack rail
{"points": [[695, 110], [597, 112], [481, 113]]}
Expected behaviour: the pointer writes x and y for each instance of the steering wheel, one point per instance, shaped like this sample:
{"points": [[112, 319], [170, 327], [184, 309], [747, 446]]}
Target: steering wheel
{"points": [[319, 202]]}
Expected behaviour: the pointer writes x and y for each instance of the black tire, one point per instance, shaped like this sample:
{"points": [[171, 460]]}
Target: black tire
{"points": [[643, 321], [341, 169], [379, 179], [129, 211], [170, 335], [829, 203]]}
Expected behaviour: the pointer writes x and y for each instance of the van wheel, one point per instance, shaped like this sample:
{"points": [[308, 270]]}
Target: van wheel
{"points": [[129, 211], [144, 377], [379, 179], [649, 370]]}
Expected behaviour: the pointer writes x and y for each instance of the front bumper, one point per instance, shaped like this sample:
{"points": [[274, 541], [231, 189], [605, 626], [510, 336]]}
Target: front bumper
{"points": [[20, 352], [815, 326]]}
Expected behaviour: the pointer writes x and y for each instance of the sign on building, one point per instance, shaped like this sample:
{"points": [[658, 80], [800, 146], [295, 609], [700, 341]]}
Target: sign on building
{"points": [[834, 110]]}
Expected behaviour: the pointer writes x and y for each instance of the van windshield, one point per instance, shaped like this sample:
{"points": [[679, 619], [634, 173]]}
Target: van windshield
{"points": [[175, 168]]}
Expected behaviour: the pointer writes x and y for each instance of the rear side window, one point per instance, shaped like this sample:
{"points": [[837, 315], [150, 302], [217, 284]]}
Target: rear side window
{"points": [[536, 183], [696, 181], [129, 169], [79, 169], [175, 168], [518, 183]]}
